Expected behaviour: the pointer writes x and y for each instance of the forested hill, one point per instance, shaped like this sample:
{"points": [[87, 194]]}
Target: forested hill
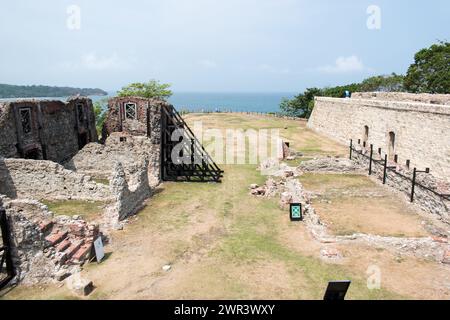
{"points": [[11, 91]]}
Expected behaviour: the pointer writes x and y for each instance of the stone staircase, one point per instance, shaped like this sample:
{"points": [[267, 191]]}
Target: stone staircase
{"points": [[69, 243]]}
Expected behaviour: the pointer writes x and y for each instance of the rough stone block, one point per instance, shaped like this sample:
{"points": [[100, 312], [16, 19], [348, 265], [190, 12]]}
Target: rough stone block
{"points": [[446, 259], [79, 285], [61, 275]]}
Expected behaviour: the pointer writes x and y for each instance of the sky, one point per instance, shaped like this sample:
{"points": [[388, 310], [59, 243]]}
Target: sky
{"points": [[212, 45]]}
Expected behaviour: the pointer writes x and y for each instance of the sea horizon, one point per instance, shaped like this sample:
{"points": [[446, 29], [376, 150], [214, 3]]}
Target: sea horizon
{"points": [[265, 102]]}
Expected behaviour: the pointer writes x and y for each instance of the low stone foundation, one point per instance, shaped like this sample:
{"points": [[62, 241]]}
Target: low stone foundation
{"points": [[424, 199], [331, 165], [290, 190]]}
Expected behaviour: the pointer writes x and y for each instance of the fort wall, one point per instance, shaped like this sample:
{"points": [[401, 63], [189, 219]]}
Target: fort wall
{"points": [[419, 132]]}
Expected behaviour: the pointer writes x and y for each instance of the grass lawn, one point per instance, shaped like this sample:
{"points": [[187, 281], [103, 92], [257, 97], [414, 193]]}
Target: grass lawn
{"points": [[89, 210]]}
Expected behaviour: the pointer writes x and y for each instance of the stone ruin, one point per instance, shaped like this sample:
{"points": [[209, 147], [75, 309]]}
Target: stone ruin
{"points": [[49, 151], [46, 129]]}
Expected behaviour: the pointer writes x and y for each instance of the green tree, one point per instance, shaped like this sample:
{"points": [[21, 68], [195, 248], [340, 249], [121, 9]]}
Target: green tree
{"points": [[385, 83], [430, 71], [301, 105], [100, 108], [151, 89]]}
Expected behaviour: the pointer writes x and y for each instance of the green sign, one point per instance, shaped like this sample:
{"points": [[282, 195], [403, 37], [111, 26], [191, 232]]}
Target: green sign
{"points": [[296, 212]]}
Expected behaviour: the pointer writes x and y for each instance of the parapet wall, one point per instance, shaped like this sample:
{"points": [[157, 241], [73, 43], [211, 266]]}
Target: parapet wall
{"points": [[421, 131], [404, 96]]}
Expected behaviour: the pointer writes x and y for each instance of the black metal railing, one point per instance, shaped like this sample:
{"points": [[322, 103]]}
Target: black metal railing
{"points": [[383, 161]]}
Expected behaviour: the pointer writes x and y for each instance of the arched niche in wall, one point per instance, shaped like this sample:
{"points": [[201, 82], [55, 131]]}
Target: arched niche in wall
{"points": [[366, 134], [391, 145]]}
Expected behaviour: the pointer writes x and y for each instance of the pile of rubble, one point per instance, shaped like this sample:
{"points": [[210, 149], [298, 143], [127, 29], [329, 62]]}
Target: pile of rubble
{"points": [[269, 189]]}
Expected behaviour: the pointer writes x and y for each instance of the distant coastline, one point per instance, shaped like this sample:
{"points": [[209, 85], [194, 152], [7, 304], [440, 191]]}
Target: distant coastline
{"points": [[8, 91]]}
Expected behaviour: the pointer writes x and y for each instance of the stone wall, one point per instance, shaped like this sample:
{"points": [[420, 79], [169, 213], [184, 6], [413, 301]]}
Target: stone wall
{"points": [[40, 179], [46, 130], [98, 160], [404, 96], [129, 199], [28, 243], [421, 130]]}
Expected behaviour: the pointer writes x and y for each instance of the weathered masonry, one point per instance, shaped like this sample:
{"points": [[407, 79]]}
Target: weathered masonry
{"points": [[46, 130], [404, 130], [158, 120]]}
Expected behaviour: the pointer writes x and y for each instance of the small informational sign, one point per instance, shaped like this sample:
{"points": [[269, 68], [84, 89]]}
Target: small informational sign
{"points": [[296, 212], [99, 250]]}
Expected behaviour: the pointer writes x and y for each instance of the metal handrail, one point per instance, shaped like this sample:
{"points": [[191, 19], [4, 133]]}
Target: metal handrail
{"points": [[393, 169]]}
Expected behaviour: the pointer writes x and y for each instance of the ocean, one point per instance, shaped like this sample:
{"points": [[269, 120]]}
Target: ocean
{"points": [[252, 102], [198, 102]]}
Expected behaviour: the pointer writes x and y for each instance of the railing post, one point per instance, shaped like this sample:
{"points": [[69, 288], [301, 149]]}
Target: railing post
{"points": [[413, 184], [192, 154], [351, 148], [385, 168], [370, 161]]}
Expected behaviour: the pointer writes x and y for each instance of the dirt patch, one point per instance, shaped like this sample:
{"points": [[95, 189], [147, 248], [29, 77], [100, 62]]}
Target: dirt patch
{"points": [[408, 276], [381, 216], [351, 204]]}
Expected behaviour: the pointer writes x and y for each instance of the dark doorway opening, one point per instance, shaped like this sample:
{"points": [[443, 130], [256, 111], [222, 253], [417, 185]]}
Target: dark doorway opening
{"points": [[6, 265], [33, 154], [82, 140]]}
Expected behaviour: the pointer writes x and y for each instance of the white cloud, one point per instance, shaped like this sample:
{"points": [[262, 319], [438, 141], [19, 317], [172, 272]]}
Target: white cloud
{"points": [[91, 61], [271, 69], [208, 64], [345, 65]]}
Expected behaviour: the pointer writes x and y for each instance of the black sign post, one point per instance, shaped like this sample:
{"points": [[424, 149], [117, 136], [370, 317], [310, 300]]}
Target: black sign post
{"points": [[296, 212], [337, 290]]}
